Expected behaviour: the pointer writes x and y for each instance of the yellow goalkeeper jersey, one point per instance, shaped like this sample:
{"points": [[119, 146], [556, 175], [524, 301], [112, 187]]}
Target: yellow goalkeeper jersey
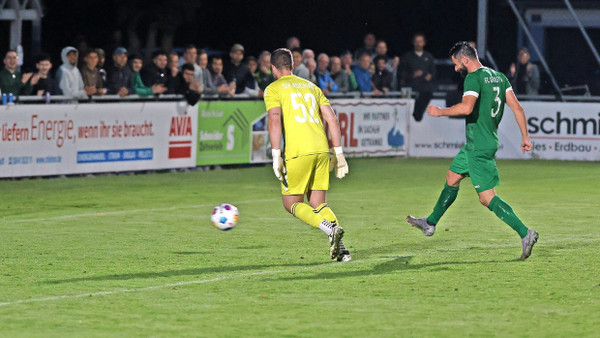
{"points": [[302, 125]]}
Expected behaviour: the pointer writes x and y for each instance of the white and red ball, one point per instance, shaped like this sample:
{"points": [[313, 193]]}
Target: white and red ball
{"points": [[225, 216]]}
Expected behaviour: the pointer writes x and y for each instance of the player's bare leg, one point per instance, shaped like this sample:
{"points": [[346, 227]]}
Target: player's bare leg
{"points": [[447, 197]]}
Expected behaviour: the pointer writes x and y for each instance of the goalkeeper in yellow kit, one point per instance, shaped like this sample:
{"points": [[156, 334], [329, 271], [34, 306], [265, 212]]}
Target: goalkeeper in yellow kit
{"points": [[297, 109]]}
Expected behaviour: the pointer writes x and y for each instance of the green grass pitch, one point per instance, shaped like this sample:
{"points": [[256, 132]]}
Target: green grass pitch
{"points": [[137, 256]]}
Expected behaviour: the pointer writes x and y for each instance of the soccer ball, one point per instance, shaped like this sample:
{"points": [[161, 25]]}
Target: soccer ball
{"points": [[225, 216]]}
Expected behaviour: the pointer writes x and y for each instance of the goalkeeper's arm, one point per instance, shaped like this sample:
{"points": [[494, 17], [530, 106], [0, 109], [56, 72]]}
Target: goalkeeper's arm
{"points": [[275, 136], [339, 162]]}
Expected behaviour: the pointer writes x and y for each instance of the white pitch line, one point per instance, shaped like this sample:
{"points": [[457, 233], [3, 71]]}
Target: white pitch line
{"points": [[122, 212], [202, 281]]}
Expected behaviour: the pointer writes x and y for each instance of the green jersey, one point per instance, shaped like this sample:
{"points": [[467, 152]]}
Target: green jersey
{"points": [[490, 88]]}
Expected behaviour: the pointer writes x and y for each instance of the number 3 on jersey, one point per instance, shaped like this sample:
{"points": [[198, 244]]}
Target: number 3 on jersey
{"points": [[498, 102], [310, 101]]}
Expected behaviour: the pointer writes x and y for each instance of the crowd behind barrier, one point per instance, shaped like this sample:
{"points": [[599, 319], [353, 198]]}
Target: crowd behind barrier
{"points": [[370, 71]]}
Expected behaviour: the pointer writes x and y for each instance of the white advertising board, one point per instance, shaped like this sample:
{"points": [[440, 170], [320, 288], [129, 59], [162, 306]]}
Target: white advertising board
{"points": [[436, 136], [37, 140], [374, 127], [557, 131]]}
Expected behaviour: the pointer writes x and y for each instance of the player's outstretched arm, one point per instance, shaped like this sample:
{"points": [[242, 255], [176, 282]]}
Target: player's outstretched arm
{"points": [[341, 166], [462, 108], [515, 106], [275, 136]]}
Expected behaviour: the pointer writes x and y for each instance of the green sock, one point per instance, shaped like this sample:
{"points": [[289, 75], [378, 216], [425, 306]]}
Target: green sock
{"points": [[506, 214], [306, 214], [325, 211], [444, 202]]}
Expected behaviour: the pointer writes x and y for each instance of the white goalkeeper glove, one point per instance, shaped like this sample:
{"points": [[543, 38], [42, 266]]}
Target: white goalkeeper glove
{"points": [[338, 162], [278, 167]]}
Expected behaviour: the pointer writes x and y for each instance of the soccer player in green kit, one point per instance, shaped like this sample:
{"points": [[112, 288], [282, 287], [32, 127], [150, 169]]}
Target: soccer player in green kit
{"points": [[485, 93]]}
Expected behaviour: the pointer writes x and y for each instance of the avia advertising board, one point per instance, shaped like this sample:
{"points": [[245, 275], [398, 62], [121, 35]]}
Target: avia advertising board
{"points": [[231, 132], [40, 140]]}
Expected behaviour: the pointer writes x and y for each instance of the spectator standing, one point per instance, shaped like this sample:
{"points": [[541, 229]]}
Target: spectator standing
{"points": [[291, 43], [69, 77], [312, 68], [525, 77], [347, 62], [418, 71], [324, 80], [300, 69], [137, 84], [11, 80], [362, 73], [205, 79], [368, 46], [382, 79], [190, 55], [119, 75], [46, 83], [154, 73], [263, 74], [187, 85], [90, 74], [218, 80], [237, 73], [172, 71], [101, 62], [339, 75]]}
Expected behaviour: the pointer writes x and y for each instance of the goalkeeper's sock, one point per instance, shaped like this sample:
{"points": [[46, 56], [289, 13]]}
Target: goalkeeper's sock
{"points": [[307, 214], [444, 202], [325, 211], [506, 214]]}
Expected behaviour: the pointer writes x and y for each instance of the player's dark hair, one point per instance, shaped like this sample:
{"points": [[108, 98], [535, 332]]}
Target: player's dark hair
{"points": [[379, 57], [463, 48], [158, 52], [43, 57], [187, 66], [282, 58]]}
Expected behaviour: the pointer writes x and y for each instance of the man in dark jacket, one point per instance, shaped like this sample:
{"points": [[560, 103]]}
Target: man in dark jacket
{"points": [[119, 74], [417, 70], [238, 73], [156, 73]]}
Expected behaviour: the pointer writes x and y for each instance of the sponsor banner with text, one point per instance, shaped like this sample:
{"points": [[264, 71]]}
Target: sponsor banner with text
{"points": [[38, 140], [232, 132], [436, 136], [374, 127], [557, 131]]}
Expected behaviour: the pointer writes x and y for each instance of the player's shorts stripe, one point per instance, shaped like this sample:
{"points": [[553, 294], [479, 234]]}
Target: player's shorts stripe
{"points": [[471, 93]]}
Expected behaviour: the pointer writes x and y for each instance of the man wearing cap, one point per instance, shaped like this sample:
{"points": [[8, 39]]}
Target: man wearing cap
{"points": [[237, 74], [119, 75]]}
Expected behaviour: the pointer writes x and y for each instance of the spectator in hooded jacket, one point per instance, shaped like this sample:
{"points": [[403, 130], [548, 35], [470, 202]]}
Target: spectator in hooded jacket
{"points": [[69, 77]]}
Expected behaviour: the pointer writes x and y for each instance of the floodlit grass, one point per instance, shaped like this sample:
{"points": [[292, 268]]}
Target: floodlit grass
{"points": [[137, 256]]}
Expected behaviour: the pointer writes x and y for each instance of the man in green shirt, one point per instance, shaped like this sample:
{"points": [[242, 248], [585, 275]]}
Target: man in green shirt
{"points": [[11, 80], [485, 93]]}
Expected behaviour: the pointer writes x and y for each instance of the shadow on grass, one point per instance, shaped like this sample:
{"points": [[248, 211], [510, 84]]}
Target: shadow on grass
{"points": [[183, 272], [398, 264]]}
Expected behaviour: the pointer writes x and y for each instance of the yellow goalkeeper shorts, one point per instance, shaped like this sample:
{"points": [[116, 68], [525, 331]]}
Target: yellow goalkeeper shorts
{"points": [[304, 173]]}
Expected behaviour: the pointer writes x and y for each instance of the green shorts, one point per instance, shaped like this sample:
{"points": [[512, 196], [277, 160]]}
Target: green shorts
{"points": [[479, 165]]}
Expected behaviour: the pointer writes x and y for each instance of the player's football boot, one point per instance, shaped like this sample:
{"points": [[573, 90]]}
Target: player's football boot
{"points": [[337, 232], [421, 224], [528, 242], [344, 255]]}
